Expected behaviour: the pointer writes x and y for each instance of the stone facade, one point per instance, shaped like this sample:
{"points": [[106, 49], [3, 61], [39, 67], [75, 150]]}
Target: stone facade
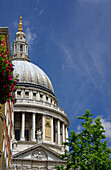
{"points": [[39, 124]]}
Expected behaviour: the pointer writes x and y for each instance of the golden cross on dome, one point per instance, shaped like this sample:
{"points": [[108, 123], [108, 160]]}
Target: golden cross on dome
{"points": [[20, 24]]}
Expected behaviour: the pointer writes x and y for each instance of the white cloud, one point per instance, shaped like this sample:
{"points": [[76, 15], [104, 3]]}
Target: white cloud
{"points": [[105, 123], [30, 36], [107, 126], [79, 127]]}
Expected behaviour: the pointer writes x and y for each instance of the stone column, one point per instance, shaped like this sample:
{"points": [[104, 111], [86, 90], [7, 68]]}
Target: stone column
{"points": [[43, 127], [38, 96], [15, 48], [18, 47], [23, 128], [23, 48], [52, 130], [67, 147], [44, 98], [13, 132], [58, 132], [66, 133], [33, 127], [30, 94], [63, 132]]}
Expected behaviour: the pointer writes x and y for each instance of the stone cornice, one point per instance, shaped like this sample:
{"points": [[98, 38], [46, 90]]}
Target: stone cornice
{"points": [[35, 147], [22, 107]]}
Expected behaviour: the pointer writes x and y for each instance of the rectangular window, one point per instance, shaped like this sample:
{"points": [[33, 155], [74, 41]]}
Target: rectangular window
{"points": [[18, 93], [47, 98], [34, 95], [26, 135], [17, 134], [27, 94], [41, 96]]}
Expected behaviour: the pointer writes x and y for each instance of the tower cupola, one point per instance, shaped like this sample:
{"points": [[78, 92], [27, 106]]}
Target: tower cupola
{"points": [[20, 46]]}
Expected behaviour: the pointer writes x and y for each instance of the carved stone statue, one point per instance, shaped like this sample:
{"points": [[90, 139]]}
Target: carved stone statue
{"points": [[14, 144], [39, 154], [62, 148], [39, 136]]}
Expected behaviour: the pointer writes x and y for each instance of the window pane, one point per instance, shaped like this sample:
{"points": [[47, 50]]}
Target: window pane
{"points": [[21, 47], [17, 134], [26, 135]]}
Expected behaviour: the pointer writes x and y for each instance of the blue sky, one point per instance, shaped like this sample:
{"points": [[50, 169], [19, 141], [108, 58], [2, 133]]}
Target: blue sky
{"points": [[71, 41]]}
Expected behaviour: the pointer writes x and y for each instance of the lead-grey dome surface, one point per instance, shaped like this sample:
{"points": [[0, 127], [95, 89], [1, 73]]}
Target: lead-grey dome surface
{"points": [[31, 74]]}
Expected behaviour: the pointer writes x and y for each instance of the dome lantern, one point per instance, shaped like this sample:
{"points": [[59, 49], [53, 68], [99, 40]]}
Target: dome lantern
{"points": [[20, 46], [28, 73]]}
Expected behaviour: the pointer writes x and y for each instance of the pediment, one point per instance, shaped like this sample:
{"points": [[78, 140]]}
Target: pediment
{"points": [[37, 152]]}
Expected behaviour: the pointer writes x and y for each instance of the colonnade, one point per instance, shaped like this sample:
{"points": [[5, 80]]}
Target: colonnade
{"points": [[59, 125]]}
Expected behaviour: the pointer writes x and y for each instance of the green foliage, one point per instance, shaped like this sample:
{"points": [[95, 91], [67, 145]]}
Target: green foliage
{"points": [[88, 149]]}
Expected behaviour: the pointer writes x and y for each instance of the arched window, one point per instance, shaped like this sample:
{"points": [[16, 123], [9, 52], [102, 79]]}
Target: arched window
{"points": [[21, 47]]}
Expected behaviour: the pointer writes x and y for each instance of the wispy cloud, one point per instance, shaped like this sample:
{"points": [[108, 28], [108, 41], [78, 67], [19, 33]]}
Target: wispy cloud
{"points": [[30, 36], [25, 22], [15, 24], [38, 1], [70, 61], [79, 127], [91, 67], [41, 12], [36, 5], [86, 63], [37, 8], [90, 0]]}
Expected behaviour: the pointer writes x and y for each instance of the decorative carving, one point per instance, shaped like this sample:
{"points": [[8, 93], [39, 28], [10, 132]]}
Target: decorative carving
{"points": [[39, 136], [26, 167], [48, 129], [14, 144], [48, 122], [16, 167], [62, 148], [39, 155]]}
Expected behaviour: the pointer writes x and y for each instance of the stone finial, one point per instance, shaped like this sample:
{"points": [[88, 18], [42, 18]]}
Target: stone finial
{"points": [[20, 24]]}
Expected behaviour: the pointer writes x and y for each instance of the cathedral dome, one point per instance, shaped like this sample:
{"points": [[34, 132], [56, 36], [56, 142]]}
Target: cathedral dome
{"points": [[32, 75]]}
